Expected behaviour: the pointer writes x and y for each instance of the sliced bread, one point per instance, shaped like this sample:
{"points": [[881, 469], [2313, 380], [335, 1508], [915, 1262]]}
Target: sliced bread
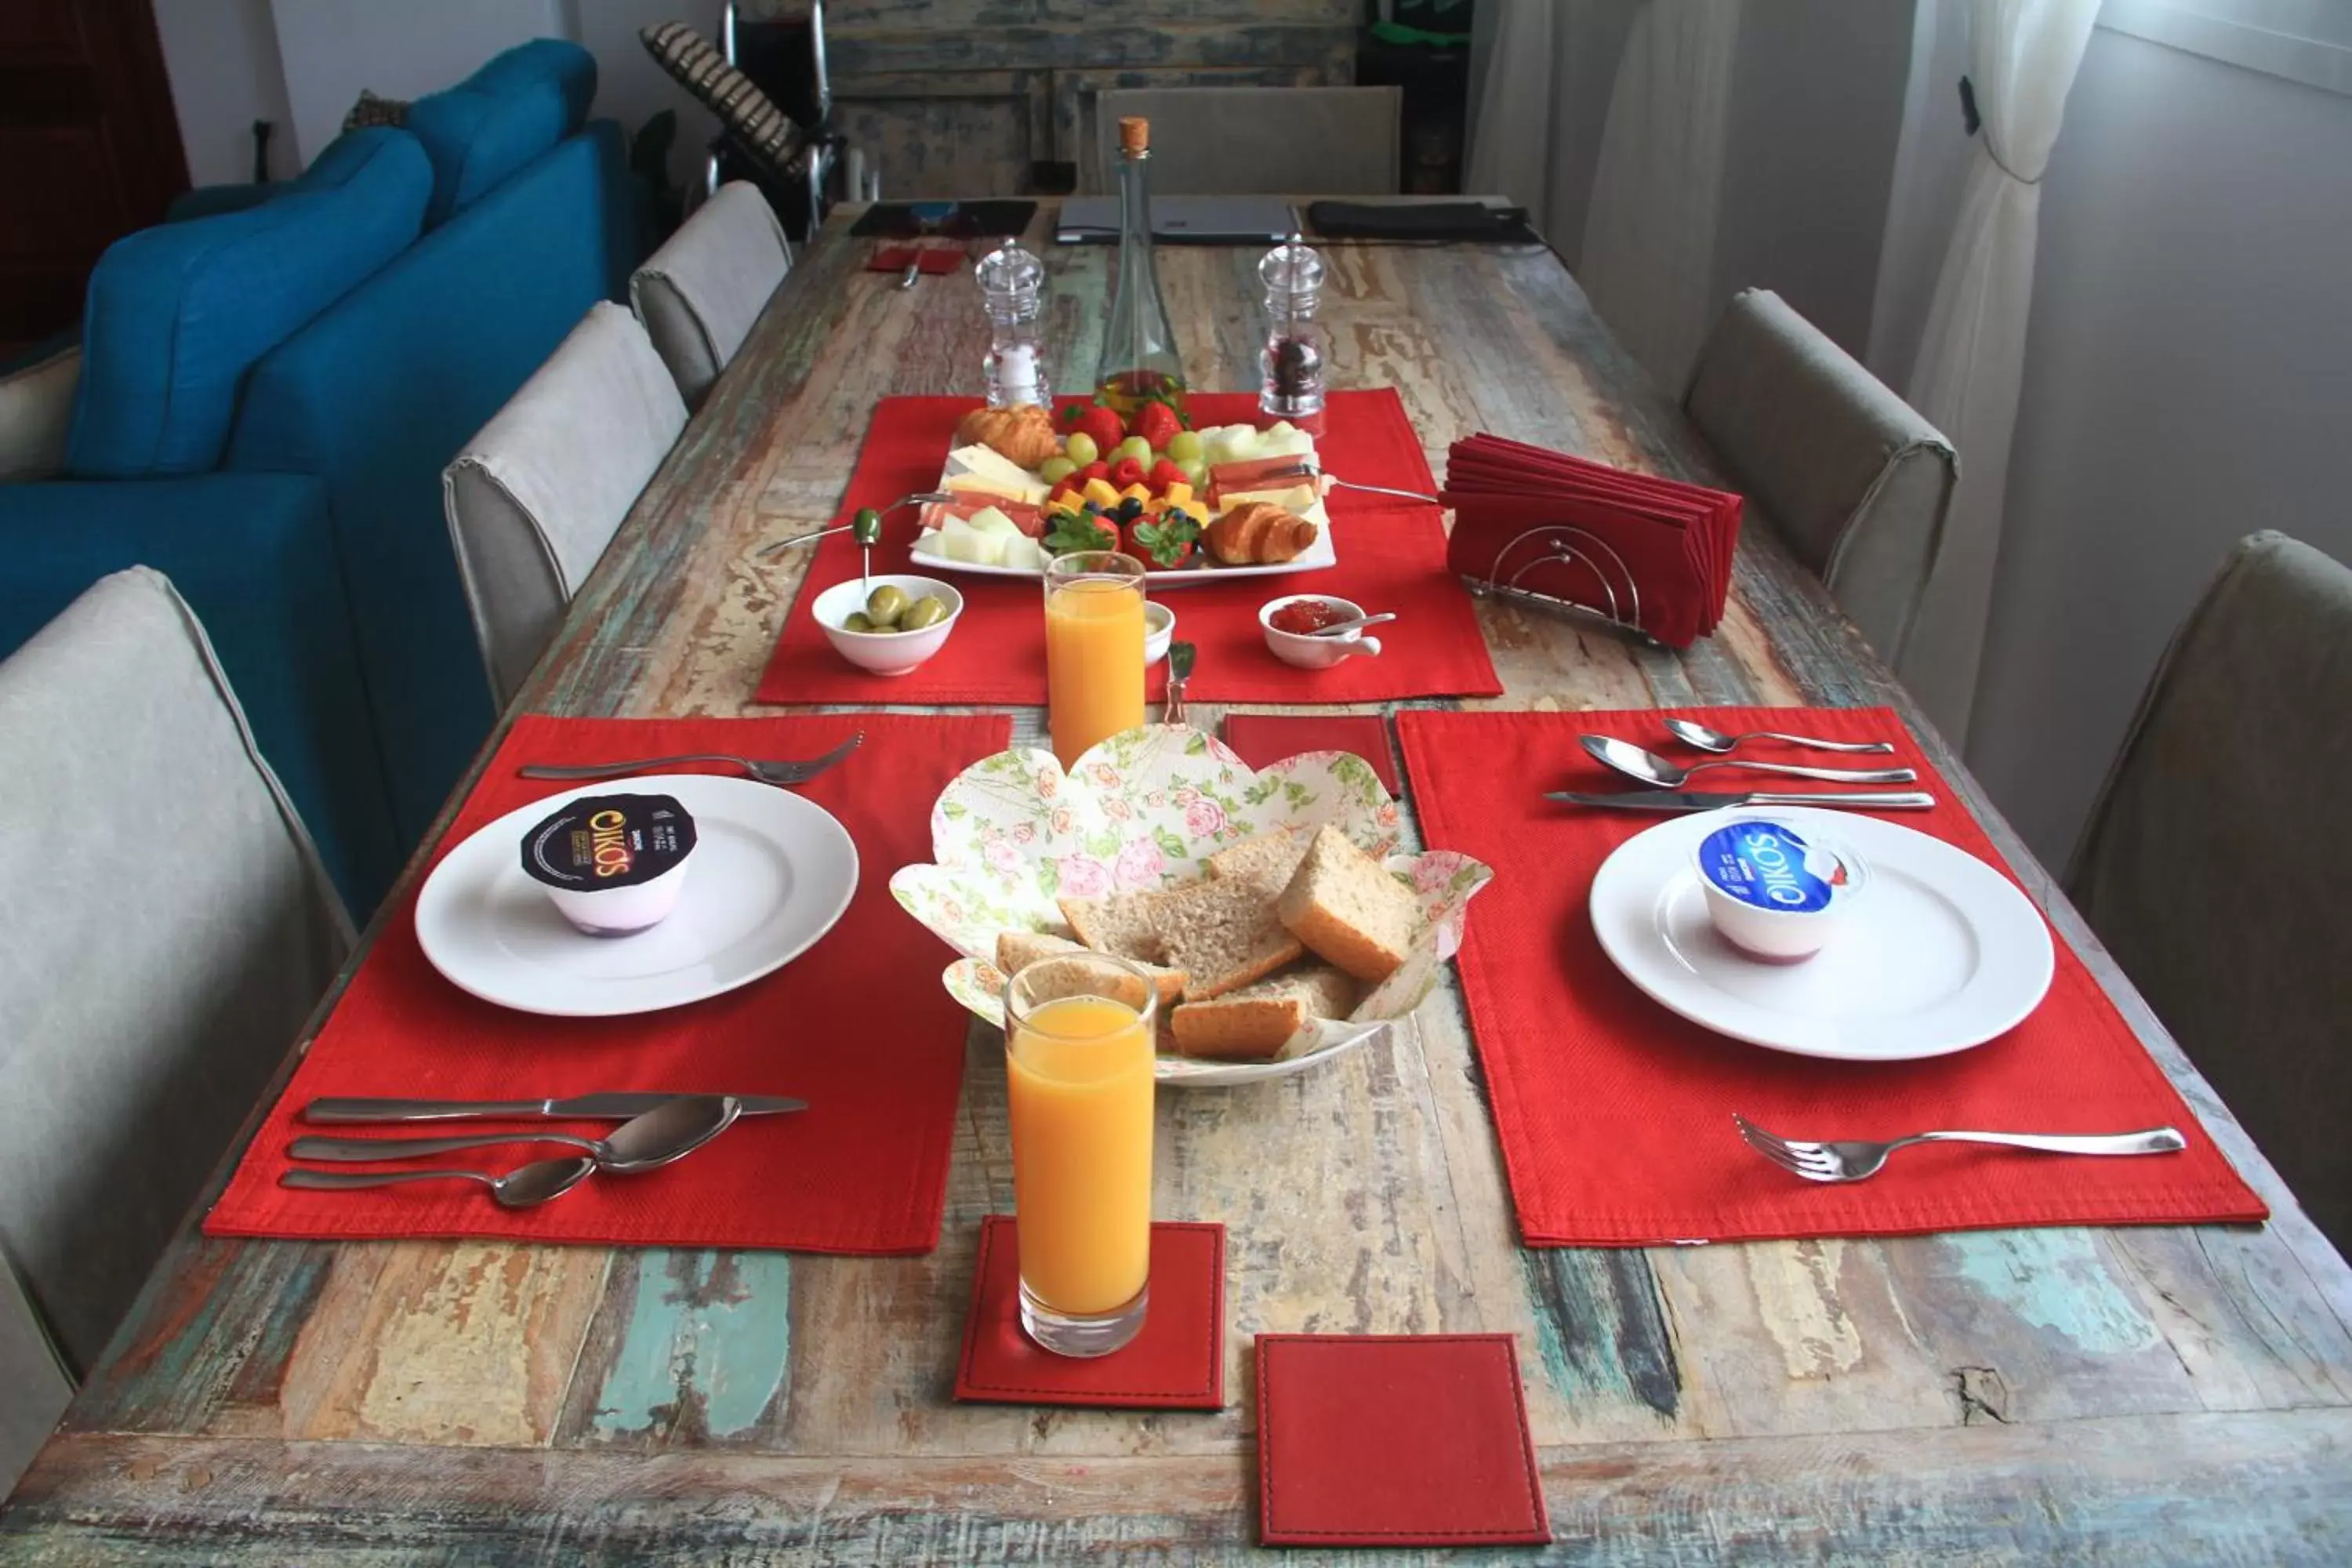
{"points": [[1250, 1025], [1265, 862], [1120, 923], [1350, 910], [1223, 934], [1017, 949]]}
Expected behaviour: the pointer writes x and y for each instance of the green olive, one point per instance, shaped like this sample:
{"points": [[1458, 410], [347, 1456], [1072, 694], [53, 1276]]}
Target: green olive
{"points": [[866, 528], [885, 606], [858, 622], [923, 612]]}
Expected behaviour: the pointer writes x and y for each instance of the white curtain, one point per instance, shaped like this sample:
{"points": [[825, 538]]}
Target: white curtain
{"points": [[2022, 58], [1648, 259]]}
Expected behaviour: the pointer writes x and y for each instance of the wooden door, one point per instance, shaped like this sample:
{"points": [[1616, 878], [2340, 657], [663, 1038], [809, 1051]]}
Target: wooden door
{"points": [[90, 150]]}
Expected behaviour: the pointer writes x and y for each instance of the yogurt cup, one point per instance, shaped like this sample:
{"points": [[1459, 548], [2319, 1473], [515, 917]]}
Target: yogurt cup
{"points": [[1776, 892], [613, 863]]}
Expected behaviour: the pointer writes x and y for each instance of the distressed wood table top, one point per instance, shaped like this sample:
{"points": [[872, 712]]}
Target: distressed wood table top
{"points": [[2113, 1394]]}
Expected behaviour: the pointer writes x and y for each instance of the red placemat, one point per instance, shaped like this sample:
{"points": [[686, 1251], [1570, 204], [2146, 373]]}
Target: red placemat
{"points": [[1615, 1115], [1265, 739], [863, 1168], [1395, 1440], [1176, 1361], [1391, 557]]}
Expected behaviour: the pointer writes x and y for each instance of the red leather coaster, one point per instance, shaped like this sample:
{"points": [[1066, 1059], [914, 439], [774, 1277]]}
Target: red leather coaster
{"points": [[1265, 738], [1395, 1440], [1177, 1362]]}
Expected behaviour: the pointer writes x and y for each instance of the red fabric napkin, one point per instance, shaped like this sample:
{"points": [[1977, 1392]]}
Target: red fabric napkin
{"points": [[1656, 550], [1395, 1440], [858, 1026], [932, 260], [1176, 1362], [1614, 1115], [1264, 739], [1391, 557]]}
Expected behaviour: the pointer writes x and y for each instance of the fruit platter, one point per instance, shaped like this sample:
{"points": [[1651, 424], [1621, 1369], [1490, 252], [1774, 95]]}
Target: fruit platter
{"points": [[1233, 500]]}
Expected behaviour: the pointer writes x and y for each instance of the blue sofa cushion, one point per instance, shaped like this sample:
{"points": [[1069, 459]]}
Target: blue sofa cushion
{"points": [[176, 315], [498, 119]]}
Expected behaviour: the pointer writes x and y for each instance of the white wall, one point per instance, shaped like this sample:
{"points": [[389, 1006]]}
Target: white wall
{"points": [[302, 64], [222, 55], [2186, 382]]}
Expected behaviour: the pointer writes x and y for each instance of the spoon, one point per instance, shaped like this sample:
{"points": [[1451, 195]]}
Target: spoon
{"points": [[1715, 740], [1655, 770], [1336, 627], [518, 1189], [670, 1130]]}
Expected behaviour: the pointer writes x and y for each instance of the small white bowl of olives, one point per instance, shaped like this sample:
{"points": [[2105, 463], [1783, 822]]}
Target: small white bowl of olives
{"points": [[889, 623]]}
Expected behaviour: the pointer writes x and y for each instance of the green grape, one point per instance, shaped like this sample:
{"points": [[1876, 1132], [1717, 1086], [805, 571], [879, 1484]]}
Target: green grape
{"points": [[1184, 447], [1053, 470], [1081, 448], [1196, 473], [1135, 446]]}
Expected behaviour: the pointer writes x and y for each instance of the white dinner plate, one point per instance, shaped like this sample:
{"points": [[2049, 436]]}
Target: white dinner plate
{"points": [[1314, 558], [770, 873], [1943, 954]]}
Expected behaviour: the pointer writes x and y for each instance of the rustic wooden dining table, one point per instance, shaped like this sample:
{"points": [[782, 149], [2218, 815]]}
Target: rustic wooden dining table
{"points": [[2123, 1394]]}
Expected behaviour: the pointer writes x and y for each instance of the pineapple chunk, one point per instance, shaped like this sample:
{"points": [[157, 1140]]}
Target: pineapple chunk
{"points": [[1101, 492], [1135, 492], [1178, 494]]}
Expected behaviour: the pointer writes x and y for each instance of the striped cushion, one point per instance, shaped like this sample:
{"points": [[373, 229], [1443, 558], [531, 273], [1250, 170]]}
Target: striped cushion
{"points": [[749, 115]]}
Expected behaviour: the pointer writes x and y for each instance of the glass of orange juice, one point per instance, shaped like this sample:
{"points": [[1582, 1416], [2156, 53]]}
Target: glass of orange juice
{"points": [[1078, 1040], [1094, 648]]}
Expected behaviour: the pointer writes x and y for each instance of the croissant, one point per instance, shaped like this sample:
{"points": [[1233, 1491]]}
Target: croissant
{"points": [[1258, 532], [1024, 434]]}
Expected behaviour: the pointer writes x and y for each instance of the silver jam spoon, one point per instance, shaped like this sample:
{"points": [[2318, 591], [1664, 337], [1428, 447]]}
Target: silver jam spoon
{"points": [[1715, 740], [518, 1189], [670, 1130], [1655, 770], [1353, 623]]}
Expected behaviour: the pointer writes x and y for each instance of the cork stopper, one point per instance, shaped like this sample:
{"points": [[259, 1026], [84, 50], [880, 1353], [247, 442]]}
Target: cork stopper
{"points": [[1135, 137]]}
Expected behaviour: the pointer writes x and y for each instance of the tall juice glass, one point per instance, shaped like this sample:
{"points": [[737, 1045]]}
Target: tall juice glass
{"points": [[1078, 1033], [1094, 648]]}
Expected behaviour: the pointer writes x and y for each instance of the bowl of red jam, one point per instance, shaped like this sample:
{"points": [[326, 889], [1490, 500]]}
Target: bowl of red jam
{"points": [[1291, 625]]}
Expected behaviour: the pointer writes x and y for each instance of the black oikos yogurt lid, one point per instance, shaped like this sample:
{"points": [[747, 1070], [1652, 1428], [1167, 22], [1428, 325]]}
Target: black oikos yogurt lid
{"points": [[603, 841]]}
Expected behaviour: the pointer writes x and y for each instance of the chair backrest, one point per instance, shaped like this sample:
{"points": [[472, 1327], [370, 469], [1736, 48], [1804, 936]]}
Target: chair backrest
{"points": [[1258, 141], [166, 930], [2212, 861], [533, 500], [699, 293], [1854, 479]]}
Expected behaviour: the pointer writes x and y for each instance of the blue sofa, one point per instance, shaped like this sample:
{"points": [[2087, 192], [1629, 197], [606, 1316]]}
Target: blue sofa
{"points": [[269, 396]]}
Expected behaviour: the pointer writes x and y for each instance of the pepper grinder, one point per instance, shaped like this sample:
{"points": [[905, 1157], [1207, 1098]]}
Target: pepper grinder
{"points": [[1291, 386], [1011, 285]]}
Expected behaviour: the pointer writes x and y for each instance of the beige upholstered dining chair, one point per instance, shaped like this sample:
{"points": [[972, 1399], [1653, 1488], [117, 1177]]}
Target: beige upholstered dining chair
{"points": [[167, 928], [1258, 141], [2214, 867], [700, 292], [1850, 476], [537, 495]]}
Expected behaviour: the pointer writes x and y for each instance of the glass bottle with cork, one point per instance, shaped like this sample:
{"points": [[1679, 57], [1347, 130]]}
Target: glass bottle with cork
{"points": [[1138, 358]]}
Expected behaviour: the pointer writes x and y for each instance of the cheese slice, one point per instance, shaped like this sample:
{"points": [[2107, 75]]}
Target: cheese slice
{"points": [[1293, 498], [981, 470]]}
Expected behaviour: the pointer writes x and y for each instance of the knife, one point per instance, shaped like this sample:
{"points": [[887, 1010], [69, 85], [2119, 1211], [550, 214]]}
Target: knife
{"points": [[579, 1106], [1711, 800]]}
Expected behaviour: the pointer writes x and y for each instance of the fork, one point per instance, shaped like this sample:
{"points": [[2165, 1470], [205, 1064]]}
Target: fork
{"points": [[1852, 1160], [774, 772]]}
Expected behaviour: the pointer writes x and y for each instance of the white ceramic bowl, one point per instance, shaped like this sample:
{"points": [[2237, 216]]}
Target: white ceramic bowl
{"points": [[1795, 889], [1159, 630], [1315, 653], [885, 653]]}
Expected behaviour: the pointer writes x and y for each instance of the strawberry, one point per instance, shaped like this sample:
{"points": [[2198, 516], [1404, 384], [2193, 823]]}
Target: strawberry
{"points": [[1125, 472], [1156, 423], [1100, 424], [1162, 543], [1163, 474]]}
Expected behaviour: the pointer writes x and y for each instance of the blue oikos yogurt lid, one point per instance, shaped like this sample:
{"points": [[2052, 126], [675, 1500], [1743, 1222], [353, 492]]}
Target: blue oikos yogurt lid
{"points": [[1769, 865]]}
